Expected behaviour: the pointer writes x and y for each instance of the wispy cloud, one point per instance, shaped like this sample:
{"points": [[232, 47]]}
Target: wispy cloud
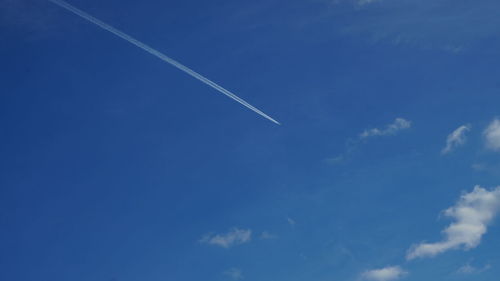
{"points": [[492, 135], [234, 237], [456, 138], [290, 221], [470, 269], [234, 273], [384, 274], [365, 2], [391, 129], [472, 214], [352, 143]]}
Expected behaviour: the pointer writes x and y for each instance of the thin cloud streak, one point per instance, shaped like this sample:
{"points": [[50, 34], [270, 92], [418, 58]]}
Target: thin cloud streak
{"points": [[161, 56], [234, 237]]}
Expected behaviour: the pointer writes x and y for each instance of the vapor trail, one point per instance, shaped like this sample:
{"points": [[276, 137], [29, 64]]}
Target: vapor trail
{"points": [[159, 55]]}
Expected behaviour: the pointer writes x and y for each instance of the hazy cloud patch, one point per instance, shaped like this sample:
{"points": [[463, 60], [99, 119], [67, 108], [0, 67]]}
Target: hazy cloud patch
{"points": [[234, 273], [428, 24], [267, 236], [470, 269]]}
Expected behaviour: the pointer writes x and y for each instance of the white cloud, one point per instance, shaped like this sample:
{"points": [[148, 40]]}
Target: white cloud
{"points": [[234, 273], [492, 135], [455, 139], [391, 129], [290, 221], [384, 274], [234, 237], [472, 214]]}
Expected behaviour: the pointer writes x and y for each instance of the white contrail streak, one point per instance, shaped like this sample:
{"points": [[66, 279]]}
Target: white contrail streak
{"points": [[159, 55]]}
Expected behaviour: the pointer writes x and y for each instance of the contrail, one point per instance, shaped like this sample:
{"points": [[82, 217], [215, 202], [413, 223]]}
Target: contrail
{"points": [[159, 55]]}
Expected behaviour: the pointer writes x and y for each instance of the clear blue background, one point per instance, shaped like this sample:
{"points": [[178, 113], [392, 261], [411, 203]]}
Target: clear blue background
{"points": [[114, 164]]}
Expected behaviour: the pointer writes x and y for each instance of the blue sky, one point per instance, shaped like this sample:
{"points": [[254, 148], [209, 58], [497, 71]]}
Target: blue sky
{"points": [[117, 166]]}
